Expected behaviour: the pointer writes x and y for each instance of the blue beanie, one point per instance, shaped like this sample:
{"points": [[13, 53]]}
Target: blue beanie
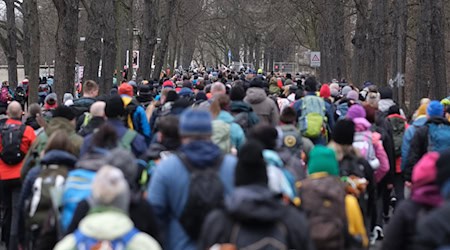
{"points": [[195, 122], [435, 108]]}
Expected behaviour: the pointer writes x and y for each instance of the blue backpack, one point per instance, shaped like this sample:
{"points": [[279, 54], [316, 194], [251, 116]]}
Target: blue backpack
{"points": [[85, 242], [341, 110], [78, 187], [438, 137]]}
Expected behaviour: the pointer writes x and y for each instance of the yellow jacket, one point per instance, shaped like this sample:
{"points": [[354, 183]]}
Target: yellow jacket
{"points": [[355, 219]]}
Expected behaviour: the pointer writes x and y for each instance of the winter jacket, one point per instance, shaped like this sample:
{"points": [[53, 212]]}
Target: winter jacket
{"points": [[264, 107], [329, 111], [32, 122], [401, 229], [9, 172], [433, 231], [138, 146], [140, 121], [384, 128], [109, 225], [255, 205], [419, 145], [237, 107], [93, 124], [281, 181], [237, 135], [409, 134], [168, 192], [82, 105], [355, 220], [361, 124]]}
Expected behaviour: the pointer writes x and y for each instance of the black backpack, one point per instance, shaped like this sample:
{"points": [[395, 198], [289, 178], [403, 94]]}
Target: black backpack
{"points": [[206, 193], [11, 136], [260, 237]]}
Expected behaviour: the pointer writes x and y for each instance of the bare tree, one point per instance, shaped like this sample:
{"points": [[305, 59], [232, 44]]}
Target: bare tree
{"points": [[109, 46], [11, 43], [93, 44], [66, 44], [149, 38]]}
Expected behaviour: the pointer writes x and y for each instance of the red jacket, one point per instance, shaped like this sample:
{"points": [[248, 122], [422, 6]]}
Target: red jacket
{"points": [[8, 172]]}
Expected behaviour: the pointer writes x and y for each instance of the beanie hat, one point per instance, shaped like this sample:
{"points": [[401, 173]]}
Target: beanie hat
{"points": [[201, 96], [195, 122], [334, 92], [435, 108], [256, 83], [323, 159], [51, 101], [385, 93], [352, 95], [356, 111], [422, 110], [110, 189], [424, 172], [126, 89], [367, 84], [113, 91], [334, 86], [345, 90], [251, 167], [67, 96], [172, 96], [126, 162], [343, 132], [168, 84], [185, 92], [311, 84], [325, 91], [266, 134], [64, 112], [114, 107], [144, 90], [237, 93]]}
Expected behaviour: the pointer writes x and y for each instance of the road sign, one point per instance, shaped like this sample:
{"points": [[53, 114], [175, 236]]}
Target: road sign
{"points": [[315, 59]]}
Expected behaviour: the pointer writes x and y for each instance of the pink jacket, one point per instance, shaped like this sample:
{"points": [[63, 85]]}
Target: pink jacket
{"points": [[361, 124]]}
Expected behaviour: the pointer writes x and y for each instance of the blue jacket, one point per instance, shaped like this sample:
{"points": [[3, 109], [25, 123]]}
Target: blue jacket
{"points": [[409, 134], [168, 189], [138, 146], [236, 132], [140, 121]]}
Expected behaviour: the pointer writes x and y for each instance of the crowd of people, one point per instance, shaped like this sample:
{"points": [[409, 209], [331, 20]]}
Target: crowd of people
{"points": [[223, 160]]}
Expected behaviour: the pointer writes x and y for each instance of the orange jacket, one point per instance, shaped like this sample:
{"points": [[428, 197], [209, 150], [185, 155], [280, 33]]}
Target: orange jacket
{"points": [[8, 172]]}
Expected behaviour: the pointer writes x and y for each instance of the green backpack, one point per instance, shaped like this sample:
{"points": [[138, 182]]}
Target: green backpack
{"points": [[398, 130], [127, 139], [312, 120], [221, 135]]}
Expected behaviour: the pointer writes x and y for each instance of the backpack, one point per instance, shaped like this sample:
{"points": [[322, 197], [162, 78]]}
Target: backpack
{"points": [[341, 110], [398, 131], [221, 132], [43, 89], [89, 243], [127, 140], [4, 95], [49, 182], [290, 139], [363, 142], [11, 136], [438, 137], [323, 200], [243, 119], [312, 119], [205, 193], [77, 188], [131, 106], [251, 237], [20, 95]]}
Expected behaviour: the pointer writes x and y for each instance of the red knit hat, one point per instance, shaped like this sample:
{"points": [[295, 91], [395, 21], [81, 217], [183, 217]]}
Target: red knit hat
{"points": [[126, 89], [325, 91], [168, 84]]}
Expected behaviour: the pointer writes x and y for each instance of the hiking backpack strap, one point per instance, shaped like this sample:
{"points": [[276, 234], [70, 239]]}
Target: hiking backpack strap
{"points": [[128, 138]]}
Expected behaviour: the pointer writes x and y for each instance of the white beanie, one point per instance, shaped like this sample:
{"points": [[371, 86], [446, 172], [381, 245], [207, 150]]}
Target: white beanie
{"points": [[110, 189]]}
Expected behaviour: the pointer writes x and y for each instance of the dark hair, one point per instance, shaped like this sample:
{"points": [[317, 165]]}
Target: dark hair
{"points": [[106, 137], [288, 116], [265, 134]]}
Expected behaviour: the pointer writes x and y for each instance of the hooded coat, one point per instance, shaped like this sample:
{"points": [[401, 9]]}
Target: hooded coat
{"points": [[264, 107]]}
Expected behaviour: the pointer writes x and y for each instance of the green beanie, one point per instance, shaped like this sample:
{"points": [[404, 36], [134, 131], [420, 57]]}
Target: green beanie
{"points": [[323, 159]]}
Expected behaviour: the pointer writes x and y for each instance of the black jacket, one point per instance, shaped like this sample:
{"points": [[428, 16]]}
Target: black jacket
{"points": [[433, 231], [401, 229], [93, 124], [419, 145], [383, 127], [255, 206]]}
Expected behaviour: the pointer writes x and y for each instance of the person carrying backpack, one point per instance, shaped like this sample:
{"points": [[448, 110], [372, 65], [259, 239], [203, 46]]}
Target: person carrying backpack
{"points": [[253, 216], [20, 95], [203, 177], [243, 113], [5, 95], [108, 225], [333, 215], [264, 106], [16, 140], [96, 119], [43, 90]]}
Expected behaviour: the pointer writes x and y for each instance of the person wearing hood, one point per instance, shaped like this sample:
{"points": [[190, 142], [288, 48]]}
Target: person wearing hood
{"points": [[108, 219], [63, 119], [386, 100], [425, 196], [243, 113], [98, 117], [167, 191], [264, 107], [273, 87], [256, 210], [433, 230], [433, 136], [50, 104]]}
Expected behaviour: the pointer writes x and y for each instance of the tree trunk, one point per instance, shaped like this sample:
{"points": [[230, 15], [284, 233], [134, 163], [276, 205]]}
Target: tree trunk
{"points": [[378, 73], [32, 46], [109, 47], [66, 45], [439, 85], [360, 66], [93, 44], [149, 39], [399, 48], [165, 31], [11, 42]]}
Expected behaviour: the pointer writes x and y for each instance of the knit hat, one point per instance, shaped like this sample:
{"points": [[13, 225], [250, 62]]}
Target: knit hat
{"points": [[385, 93], [334, 86], [422, 110], [310, 84], [345, 90], [145, 90], [201, 96], [424, 172], [323, 159], [195, 122], [114, 107], [172, 96], [256, 83], [110, 189], [64, 112], [168, 84], [126, 162], [334, 92], [251, 167], [126, 89], [325, 91], [435, 108], [353, 95], [343, 132], [67, 96], [237, 93], [51, 101], [367, 84], [356, 111], [185, 92]]}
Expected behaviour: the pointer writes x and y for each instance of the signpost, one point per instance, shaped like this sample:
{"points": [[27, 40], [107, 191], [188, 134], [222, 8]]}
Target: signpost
{"points": [[315, 60]]}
